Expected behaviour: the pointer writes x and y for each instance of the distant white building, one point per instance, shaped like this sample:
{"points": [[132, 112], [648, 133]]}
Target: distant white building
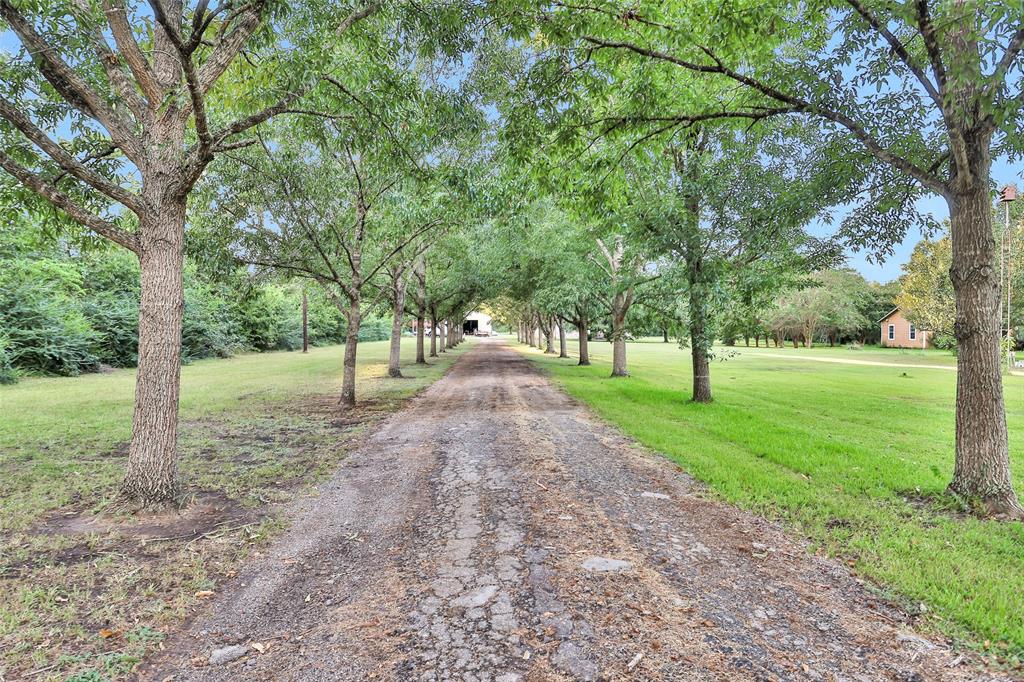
{"points": [[477, 323]]}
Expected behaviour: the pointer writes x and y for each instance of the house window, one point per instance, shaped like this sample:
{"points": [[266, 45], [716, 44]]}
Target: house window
{"points": [[913, 332], [892, 332]]}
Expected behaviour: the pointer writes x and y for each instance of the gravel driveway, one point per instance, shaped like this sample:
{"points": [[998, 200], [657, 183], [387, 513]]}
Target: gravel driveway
{"points": [[494, 530]]}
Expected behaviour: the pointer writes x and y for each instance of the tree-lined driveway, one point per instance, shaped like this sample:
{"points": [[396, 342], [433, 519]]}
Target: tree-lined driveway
{"points": [[494, 530]]}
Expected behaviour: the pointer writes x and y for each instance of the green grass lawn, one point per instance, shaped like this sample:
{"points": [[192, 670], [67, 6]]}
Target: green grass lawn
{"points": [[856, 458], [901, 356], [255, 429], [55, 429]]}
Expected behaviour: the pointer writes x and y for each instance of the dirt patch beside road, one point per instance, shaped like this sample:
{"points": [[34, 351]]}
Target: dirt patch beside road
{"points": [[493, 530]]}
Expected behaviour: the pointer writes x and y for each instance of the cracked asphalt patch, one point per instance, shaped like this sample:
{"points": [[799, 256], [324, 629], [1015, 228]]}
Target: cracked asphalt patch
{"points": [[494, 531]]}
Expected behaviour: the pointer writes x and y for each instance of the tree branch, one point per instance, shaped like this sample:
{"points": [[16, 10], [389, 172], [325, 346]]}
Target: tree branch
{"points": [[195, 91], [117, 76], [69, 84], [1011, 54], [124, 38], [799, 105], [80, 215], [230, 45], [899, 50], [67, 162], [357, 16]]}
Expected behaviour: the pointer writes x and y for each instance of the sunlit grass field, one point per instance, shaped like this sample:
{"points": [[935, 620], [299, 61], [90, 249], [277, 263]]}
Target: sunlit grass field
{"points": [[854, 457]]}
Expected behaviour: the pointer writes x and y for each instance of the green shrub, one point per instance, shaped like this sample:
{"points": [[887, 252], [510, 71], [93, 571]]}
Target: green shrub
{"points": [[375, 328], [67, 314], [270, 318], [8, 375], [42, 320], [207, 328]]}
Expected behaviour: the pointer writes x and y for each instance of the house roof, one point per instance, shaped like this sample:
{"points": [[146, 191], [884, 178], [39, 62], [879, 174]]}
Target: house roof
{"points": [[889, 314]]}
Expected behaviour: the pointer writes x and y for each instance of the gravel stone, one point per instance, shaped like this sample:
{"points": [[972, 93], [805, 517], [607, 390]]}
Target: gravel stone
{"points": [[228, 654]]}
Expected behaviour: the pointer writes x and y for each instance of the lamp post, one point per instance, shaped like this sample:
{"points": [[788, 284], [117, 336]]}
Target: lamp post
{"points": [[1007, 196]]}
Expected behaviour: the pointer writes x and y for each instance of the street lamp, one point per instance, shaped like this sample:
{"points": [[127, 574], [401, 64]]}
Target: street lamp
{"points": [[1007, 196]]}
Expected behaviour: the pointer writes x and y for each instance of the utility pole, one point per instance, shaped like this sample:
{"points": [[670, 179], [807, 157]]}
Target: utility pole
{"points": [[305, 322], [1008, 195]]}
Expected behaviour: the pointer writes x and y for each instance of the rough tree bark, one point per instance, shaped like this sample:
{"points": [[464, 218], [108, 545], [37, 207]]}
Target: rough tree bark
{"points": [[982, 468], [433, 335], [549, 335], [620, 306], [421, 308], [152, 471], [348, 382], [698, 347], [562, 350], [399, 284], [581, 326]]}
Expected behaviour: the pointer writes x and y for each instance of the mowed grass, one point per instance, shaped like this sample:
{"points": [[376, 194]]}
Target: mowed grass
{"points": [[54, 431], [86, 590], [856, 458], [898, 356]]}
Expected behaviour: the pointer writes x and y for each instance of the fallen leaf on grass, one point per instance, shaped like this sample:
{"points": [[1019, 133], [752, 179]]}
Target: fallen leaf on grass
{"points": [[107, 633], [203, 594]]}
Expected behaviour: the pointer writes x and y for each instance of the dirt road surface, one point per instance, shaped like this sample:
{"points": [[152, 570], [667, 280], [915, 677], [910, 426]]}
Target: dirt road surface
{"points": [[494, 530]]}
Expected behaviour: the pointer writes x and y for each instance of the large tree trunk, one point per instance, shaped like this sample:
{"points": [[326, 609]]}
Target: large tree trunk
{"points": [[584, 349], [397, 317], [442, 335], [421, 357], [982, 468], [619, 368], [562, 350], [421, 309], [664, 335], [701, 374], [550, 333], [152, 473], [699, 343], [348, 381], [621, 305], [433, 336]]}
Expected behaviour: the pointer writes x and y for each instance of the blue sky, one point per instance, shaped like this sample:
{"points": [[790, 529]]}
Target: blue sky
{"points": [[1003, 172]]}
